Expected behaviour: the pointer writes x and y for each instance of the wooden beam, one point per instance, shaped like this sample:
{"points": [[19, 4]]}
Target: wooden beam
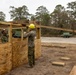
{"points": [[56, 28], [10, 34], [37, 26], [6, 23], [22, 34], [16, 24], [18, 27], [38, 31]]}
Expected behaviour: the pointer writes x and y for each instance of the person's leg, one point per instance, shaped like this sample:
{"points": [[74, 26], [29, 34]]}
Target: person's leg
{"points": [[30, 57], [30, 61], [33, 56]]}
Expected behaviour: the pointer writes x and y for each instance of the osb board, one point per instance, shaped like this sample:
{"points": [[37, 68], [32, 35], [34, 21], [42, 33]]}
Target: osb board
{"points": [[16, 39], [37, 48], [19, 53], [5, 58], [73, 72]]}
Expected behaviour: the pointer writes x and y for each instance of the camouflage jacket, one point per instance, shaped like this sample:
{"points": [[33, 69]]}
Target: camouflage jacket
{"points": [[31, 36]]}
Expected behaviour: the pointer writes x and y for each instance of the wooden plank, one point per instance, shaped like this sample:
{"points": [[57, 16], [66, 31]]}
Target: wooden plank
{"points": [[65, 58], [73, 71], [58, 63], [21, 34], [17, 24], [6, 23], [56, 28], [38, 30], [10, 34], [18, 27]]}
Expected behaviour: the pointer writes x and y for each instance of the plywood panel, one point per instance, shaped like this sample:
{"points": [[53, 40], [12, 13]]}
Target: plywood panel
{"points": [[20, 50], [37, 48], [5, 58]]}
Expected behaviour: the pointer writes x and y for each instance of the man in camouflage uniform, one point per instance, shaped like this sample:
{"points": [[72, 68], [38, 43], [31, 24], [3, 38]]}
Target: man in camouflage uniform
{"points": [[4, 36], [31, 46]]}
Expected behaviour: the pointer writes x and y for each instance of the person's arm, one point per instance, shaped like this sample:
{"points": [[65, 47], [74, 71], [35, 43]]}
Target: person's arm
{"points": [[27, 34]]}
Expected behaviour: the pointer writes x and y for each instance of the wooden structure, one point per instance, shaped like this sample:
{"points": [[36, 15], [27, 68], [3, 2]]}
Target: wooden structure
{"points": [[14, 52]]}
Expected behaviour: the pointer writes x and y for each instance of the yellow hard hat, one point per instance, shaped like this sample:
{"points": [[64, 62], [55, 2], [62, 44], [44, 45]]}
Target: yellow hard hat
{"points": [[31, 26]]}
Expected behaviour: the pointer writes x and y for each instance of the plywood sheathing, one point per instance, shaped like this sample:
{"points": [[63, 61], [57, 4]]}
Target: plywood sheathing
{"points": [[20, 50], [37, 48], [5, 58]]}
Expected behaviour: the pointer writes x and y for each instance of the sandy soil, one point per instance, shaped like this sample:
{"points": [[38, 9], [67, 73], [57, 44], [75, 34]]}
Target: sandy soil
{"points": [[44, 63]]}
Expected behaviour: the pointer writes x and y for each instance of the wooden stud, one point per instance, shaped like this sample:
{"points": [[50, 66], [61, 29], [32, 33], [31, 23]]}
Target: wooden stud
{"points": [[38, 30], [10, 33], [22, 34]]}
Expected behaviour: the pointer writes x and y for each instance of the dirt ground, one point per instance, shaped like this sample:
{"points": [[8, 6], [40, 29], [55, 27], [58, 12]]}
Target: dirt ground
{"points": [[44, 63]]}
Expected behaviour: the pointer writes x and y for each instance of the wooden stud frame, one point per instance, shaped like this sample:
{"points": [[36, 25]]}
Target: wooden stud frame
{"points": [[38, 30]]}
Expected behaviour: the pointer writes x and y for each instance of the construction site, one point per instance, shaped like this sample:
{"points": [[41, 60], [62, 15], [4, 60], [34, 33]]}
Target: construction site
{"points": [[53, 56]]}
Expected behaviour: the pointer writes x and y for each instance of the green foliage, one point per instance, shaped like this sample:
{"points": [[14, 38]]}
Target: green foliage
{"points": [[41, 11], [43, 16], [72, 14], [19, 13], [33, 17], [2, 16]]}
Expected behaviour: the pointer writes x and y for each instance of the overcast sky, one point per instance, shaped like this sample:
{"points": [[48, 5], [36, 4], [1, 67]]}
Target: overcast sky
{"points": [[31, 4]]}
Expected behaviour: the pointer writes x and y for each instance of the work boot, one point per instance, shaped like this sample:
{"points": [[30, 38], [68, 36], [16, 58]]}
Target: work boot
{"points": [[29, 66]]}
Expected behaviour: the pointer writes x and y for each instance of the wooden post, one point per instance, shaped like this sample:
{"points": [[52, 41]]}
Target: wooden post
{"points": [[21, 34], [38, 30], [10, 33]]}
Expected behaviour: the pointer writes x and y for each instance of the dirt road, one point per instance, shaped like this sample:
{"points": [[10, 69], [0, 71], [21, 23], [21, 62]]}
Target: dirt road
{"points": [[59, 40]]}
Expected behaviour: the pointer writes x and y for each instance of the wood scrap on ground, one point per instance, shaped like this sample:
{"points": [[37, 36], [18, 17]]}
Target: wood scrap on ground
{"points": [[65, 58], [58, 63]]}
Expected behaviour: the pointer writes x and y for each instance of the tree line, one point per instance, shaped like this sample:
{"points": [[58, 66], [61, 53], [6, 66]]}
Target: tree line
{"points": [[60, 17]]}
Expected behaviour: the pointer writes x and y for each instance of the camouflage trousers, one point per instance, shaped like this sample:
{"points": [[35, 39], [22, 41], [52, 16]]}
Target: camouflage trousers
{"points": [[31, 56], [4, 39]]}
